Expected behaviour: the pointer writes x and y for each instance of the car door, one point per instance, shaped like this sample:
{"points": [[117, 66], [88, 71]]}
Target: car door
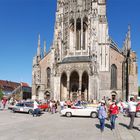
{"points": [[81, 111], [17, 107], [86, 111], [27, 107], [21, 108]]}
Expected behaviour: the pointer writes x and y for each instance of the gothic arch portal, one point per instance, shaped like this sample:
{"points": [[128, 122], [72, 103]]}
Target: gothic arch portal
{"points": [[84, 90], [37, 91], [47, 95], [74, 85], [63, 88]]}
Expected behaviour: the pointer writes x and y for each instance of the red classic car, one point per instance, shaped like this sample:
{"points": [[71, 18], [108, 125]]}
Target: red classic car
{"points": [[43, 106]]}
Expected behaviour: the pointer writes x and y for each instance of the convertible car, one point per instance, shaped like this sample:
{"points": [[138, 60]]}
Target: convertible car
{"points": [[80, 111]]}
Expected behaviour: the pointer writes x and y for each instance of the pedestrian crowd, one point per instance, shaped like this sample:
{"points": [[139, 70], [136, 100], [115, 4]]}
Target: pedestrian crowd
{"points": [[107, 109]]}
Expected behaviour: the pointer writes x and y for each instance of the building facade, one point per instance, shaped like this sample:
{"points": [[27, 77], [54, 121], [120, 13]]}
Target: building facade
{"points": [[83, 61], [20, 91], [7, 87]]}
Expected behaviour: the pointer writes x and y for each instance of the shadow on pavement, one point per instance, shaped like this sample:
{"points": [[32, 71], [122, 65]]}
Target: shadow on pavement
{"points": [[124, 125], [108, 126], [136, 128], [97, 125]]}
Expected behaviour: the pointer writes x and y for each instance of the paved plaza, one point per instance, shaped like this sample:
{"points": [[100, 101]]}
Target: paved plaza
{"points": [[19, 126]]}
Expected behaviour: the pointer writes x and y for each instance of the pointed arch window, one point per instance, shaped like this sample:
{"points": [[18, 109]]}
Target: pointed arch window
{"points": [[113, 76], [71, 33], [78, 34], [48, 77], [85, 26]]}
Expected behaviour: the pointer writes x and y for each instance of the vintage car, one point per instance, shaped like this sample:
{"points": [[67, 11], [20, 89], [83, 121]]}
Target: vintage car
{"points": [[80, 111], [26, 107], [43, 106]]}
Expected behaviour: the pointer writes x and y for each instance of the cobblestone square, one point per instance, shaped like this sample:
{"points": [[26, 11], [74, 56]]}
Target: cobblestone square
{"points": [[19, 126]]}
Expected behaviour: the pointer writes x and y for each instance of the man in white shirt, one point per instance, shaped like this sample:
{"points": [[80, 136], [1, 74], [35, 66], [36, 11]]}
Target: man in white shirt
{"points": [[132, 111], [36, 109]]}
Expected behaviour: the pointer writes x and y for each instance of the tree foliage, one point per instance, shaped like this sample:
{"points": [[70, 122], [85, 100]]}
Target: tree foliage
{"points": [[1, 94], [139, 90]]}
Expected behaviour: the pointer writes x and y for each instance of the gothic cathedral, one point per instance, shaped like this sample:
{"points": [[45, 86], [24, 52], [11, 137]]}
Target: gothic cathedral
{"points": [[84, 62]]}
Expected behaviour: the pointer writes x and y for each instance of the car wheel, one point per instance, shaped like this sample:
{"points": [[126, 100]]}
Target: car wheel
{"points": [[13, 110], [138, 114], [68, 114], [93, 115], [30, 112]]}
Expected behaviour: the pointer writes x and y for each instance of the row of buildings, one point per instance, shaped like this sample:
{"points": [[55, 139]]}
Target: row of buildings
{"points": [[20, 91]]}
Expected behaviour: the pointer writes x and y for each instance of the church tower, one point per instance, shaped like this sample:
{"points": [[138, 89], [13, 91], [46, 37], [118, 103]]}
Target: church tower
{"points": [[83, 63], [81, 35], [81, 29]]}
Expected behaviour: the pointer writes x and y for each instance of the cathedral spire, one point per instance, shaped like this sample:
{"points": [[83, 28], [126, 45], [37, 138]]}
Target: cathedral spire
{"points": [[129, 37], [127, 41], [39, 49], [44, 48]]}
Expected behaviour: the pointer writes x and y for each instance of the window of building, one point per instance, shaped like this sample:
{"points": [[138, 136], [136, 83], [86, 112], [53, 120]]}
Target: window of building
{"points": [[85, 26], [136, 69], [48, 77], [78, 34], [113, 77]]}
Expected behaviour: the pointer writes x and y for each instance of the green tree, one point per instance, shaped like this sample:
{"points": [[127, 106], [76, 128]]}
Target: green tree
{"points": [[1, 94], [139, 90]]}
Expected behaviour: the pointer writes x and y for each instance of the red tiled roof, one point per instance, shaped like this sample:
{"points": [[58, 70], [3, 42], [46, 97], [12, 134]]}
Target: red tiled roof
{"points": [[24, 84], [8, 85]]}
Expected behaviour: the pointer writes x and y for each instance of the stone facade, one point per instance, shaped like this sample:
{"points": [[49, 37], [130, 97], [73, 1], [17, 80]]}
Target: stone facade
{"points": [[84, 62]]}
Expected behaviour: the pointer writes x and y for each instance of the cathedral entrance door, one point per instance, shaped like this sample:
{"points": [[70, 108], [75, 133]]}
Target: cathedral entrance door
{"points": [[74, 85]]}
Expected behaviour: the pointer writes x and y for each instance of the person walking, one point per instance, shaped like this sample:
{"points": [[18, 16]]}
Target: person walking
{"points": [[53, 107], [62, 104], [4, 101], [50, 106], [36, 109], [132, 112], [114, 110], [102, 114]]}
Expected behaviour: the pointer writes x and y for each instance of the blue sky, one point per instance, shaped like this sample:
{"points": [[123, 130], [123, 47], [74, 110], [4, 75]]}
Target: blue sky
{"points": [[22, 20]]}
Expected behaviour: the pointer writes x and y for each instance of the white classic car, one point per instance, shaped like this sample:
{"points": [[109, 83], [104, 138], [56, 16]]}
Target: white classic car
{"points": [[80, 111]]}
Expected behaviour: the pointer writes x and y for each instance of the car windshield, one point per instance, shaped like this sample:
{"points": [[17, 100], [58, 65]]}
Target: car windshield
{"points": [[28, 104], [20, 104]]}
